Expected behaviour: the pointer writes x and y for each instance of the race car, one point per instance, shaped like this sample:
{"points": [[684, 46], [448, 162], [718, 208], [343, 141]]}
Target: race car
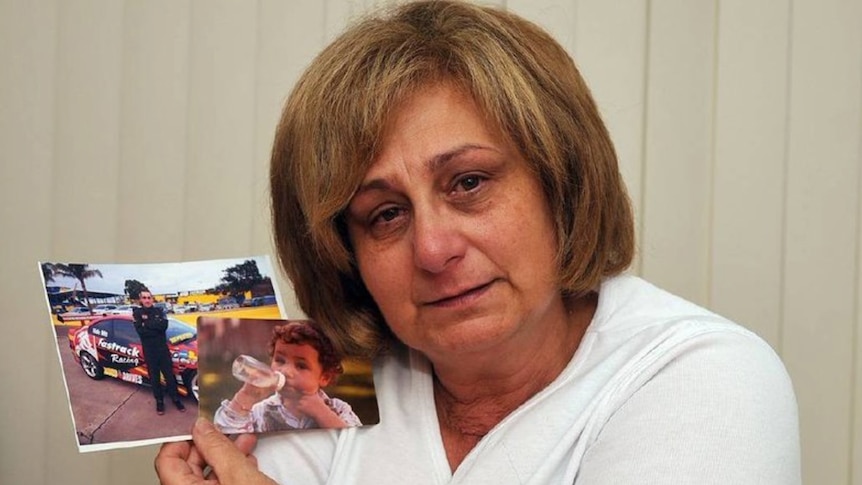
{"points": [[110, 346]]}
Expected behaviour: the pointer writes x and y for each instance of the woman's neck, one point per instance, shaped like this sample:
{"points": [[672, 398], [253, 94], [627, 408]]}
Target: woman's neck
{"points": [[474, 395]]}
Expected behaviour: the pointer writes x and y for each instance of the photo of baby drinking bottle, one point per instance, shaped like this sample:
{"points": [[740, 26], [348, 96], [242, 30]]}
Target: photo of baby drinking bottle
{"points": [[287, 391]]}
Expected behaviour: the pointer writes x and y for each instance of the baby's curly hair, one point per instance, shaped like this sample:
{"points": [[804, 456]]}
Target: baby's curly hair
{"points": [[306, 332]]}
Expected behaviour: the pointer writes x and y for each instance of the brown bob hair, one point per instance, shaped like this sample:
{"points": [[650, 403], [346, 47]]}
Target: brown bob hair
{"points": [[521, 79]]}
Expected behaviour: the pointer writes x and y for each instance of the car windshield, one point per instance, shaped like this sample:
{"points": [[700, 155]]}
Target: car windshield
{"points": [[180, 332]]}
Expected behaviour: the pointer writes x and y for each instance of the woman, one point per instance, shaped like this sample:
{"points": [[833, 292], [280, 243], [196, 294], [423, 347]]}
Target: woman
{"points": [[447, 199]]}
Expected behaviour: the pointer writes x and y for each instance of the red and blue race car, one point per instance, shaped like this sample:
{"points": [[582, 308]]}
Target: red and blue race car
{"points": [[110, 346]]}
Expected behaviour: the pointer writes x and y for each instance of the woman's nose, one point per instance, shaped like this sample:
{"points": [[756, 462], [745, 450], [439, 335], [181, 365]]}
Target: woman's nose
{"points": [[437, 240]]}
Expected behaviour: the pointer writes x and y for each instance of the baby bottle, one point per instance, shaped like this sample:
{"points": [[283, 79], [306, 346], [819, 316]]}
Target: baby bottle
{"points": [[248, 369]]}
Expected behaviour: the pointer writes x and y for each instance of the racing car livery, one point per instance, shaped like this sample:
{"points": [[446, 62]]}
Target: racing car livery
{"points": [[110, 346]]}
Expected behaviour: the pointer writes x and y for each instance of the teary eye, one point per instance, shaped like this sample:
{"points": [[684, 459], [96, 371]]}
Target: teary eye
{"points": [[388, 214], [469, 182]]}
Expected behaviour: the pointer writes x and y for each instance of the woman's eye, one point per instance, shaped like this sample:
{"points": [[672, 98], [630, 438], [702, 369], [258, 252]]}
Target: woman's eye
{"points": [[386, 215], [468, 183]]}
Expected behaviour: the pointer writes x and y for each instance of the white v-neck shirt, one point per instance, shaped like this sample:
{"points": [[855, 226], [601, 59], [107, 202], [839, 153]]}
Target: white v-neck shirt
{"points": [[659, 391]]}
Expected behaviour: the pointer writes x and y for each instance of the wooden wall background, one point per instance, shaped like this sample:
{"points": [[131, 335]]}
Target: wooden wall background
{"points": [[738, 124]]}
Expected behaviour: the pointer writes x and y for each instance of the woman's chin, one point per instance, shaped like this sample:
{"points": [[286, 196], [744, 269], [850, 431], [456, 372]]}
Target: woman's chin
{"points": [[468, 338]]}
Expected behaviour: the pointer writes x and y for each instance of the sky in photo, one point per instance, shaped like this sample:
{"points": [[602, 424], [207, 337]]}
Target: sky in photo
{"points": [[163, 278]]}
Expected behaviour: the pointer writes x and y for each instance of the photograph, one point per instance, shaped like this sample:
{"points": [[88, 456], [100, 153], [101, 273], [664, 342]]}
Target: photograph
{"points": [[137, 325], [259, 375]]}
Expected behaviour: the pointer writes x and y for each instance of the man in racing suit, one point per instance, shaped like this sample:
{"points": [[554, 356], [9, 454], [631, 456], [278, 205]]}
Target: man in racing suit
{"points": [[152, 325]]}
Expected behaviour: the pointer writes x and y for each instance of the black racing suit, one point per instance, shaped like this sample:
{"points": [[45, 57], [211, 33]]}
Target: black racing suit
{"points": [[152, 326]]}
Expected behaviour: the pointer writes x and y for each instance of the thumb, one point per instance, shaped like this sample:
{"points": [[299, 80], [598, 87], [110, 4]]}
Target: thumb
{"points": [[245, 443], [225, 458]]}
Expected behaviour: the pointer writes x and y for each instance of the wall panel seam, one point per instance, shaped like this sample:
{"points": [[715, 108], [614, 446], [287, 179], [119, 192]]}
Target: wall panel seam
{"points": [[574, 27], [782, 258], [46, 431], [184, 253], [112, 462], [857, 318], [710, 227], [55, 183], [643, 155], [255, 126], [119, 134]]}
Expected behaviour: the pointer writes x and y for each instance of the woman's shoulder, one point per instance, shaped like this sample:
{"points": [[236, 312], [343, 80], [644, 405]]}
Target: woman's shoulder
{"points": [[670, 378], [697, 388], [627, 301], [634, 312], [642, 334]]}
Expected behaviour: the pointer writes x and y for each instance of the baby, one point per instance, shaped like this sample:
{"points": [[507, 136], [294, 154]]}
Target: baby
{"points": [[301, 352]]}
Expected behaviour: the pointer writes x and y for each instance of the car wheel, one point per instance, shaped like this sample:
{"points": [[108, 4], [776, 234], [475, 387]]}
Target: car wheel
{"points": [[91, 366], [190, 381]]}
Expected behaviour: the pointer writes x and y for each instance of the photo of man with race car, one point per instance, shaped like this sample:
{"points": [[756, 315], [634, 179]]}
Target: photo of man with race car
{"points": [[152, 325], [138, 324]]}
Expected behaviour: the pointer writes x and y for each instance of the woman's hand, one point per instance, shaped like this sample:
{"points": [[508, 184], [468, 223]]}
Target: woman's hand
{"points": [[185, 463]]}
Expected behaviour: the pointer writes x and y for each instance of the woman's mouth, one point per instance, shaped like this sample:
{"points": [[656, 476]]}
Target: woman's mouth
{"points": [[462, 297]]}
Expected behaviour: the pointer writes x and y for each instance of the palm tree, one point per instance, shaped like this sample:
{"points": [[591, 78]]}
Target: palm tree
{"points": [[80, 272]]}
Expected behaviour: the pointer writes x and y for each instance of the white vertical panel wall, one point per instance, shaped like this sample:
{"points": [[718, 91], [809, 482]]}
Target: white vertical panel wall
{"points": [[84, 180], [87, 124], [749, 163], [559, 18], [821, 235], [678, 147], [856, 448], [611, 54], [223, 56], [154, 131], [289, 36], [26, 161], [738, 126]]}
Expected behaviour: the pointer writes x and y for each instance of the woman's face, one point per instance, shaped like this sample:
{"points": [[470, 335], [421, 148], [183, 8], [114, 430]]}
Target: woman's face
{"points": [[452, 233]]}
